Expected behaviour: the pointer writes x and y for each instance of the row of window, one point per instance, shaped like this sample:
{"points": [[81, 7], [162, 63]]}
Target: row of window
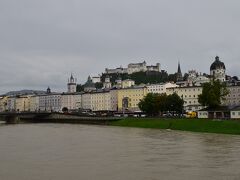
{"points": [[236, 113]]}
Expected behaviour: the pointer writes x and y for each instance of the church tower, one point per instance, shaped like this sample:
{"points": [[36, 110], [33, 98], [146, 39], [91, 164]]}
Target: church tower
{"points": [[72, 85], [179, 73], [48, 90], [218, 70], [107, 83]]}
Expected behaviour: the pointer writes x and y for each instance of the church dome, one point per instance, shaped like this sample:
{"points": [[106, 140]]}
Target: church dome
{"points": [[217, 64], [89, 83]]}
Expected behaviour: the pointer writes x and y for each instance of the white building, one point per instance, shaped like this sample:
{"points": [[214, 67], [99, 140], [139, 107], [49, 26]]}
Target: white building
{"points": [[160, 88], [119, 70], [233, 98], [107, 83], [96, 79], [235, 113], [189, 95], [127, 83], [200, 80], [202, 114], [50, 102]]}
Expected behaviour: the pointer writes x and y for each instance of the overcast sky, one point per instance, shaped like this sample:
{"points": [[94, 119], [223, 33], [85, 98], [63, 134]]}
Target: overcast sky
{"points": [[43, 41]]}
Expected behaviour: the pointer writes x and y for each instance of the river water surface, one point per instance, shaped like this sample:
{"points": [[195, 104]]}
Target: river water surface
{"points": [[69, 152]]}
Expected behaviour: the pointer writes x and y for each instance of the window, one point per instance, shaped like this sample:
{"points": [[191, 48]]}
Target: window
{"points": [[233, 113]]}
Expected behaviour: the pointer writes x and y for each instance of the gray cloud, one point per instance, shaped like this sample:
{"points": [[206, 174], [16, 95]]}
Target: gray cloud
{"points": [[42, 42]]}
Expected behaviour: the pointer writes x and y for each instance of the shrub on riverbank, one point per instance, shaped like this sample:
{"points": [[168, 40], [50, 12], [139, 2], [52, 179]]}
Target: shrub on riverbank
{"points": [[195, 125]]}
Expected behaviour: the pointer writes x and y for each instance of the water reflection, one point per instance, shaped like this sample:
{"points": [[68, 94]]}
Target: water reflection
{"points": [[62, 151]]}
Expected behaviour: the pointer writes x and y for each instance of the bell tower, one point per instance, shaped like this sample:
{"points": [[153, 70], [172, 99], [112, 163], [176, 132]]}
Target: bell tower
{"points": [[72, 85]]}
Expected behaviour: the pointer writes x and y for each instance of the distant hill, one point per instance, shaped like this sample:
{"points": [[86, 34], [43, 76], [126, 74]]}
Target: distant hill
{"points": [[151, 77], [24, 92]]}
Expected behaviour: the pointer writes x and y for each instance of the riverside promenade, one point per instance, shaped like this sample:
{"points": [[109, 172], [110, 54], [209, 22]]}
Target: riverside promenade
{"points": [[46, 117]]}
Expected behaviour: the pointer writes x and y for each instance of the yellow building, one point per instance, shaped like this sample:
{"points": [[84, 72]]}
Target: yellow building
{"points": [[128, 98], [3, 103], [22, 103]]}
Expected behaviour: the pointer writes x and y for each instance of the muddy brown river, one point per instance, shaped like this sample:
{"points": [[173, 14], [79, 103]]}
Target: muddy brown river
{"points": [[89, 152]]}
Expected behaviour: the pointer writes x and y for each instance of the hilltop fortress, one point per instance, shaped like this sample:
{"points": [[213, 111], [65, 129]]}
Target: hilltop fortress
{"points": [[133, 68]]}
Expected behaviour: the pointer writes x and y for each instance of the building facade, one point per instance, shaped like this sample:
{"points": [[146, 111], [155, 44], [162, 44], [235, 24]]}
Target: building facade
{"points": [[233, 98], [34, 104], [128, 98], [97, 100], [71, 101], [160, 88], [3, 103], [127, 83], [50, 102], [22, 103], [189, 96]]}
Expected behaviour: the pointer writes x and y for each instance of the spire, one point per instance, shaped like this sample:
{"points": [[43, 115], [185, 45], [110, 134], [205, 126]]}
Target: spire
{"points": [[179, 73], [179, 68]]}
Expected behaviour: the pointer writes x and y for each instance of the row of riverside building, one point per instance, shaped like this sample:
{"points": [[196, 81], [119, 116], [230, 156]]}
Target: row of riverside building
{"points": [[122, 96]]}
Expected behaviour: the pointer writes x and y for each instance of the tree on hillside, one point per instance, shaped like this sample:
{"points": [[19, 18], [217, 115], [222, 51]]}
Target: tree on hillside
{"points": [[151, 77], [80, 88], [172, 77], [99, 85], [212, 94]]}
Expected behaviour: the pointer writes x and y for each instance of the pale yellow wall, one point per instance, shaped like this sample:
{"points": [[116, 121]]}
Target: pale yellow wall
{"points": [[34, 103], [3, 103], [100, 101], [134, 95], [96, 101], [22, 103]]}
